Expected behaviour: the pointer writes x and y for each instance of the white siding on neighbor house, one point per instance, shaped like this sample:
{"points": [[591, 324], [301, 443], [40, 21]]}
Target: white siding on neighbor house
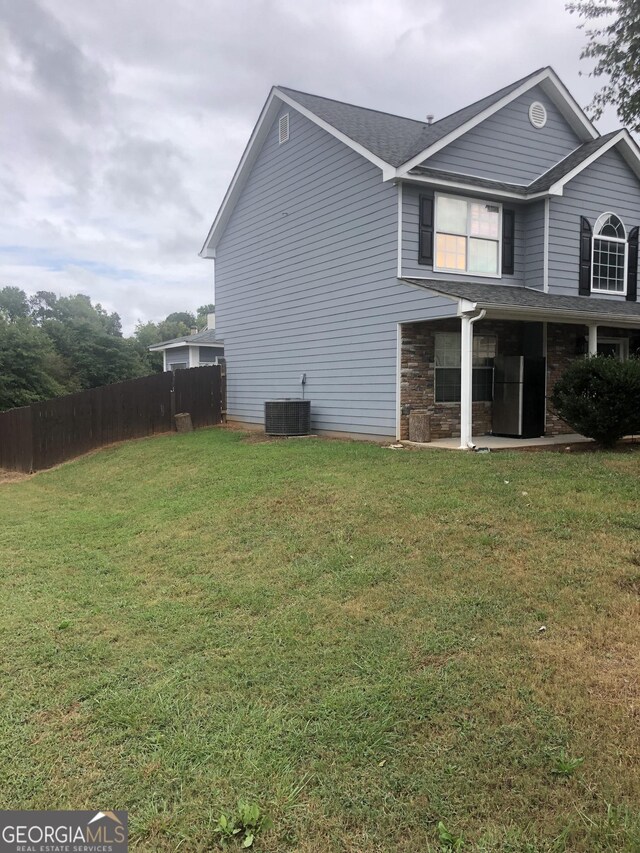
{"points": [[306, 283], [608, 184], [410, 221], [507, 147], [177, 355]]}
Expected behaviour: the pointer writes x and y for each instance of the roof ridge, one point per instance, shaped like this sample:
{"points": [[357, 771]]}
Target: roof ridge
{"points": [[513, 85], [424, 124], [355, 106]]}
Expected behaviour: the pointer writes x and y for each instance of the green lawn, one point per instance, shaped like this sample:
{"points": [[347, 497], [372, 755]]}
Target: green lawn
{"points": [[344, 634]]}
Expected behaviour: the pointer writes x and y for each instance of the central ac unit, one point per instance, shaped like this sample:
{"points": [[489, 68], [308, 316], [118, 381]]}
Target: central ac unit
{"points": [[287, 417]]}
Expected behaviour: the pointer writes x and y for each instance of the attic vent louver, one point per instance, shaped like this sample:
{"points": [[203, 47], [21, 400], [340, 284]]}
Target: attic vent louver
{"points": [[537, 114], [283, 128]]}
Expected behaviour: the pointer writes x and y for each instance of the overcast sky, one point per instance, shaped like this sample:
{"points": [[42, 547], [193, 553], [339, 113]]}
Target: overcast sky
{"points": [[122, 121]]}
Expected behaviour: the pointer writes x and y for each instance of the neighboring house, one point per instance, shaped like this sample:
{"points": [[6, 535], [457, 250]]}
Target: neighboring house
{"points": [[195, 350], [396, 262]]}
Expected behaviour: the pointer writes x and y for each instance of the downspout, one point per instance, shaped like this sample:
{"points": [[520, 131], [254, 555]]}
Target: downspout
{"points": [[466, 379]]}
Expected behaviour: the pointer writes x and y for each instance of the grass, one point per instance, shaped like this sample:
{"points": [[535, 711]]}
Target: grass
{"points": [[345, 635]]}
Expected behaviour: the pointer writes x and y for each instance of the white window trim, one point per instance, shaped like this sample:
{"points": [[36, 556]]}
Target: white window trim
{"points": [[622, 343], [436, 268], [596, 236]]}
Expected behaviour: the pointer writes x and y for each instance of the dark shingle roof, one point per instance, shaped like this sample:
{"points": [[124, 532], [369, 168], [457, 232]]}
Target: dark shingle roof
{"points": [[393, 138], [472, 180], [208, 336], [510, 296], [570, 162], [540, 184]]}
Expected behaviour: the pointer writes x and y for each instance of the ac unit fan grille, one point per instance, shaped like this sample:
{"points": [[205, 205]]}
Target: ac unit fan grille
{"points": [[287, 417]]}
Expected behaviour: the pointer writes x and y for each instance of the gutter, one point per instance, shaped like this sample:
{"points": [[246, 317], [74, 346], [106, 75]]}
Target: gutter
{"points": [[554, 314]]}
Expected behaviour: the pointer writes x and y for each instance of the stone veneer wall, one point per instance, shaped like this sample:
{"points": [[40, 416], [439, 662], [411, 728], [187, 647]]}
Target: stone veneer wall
{"points": [[417, 380], [561, 351]]}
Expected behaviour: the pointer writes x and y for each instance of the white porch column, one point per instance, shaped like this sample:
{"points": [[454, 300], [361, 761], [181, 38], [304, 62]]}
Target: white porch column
{"points": [[164, 360], [466, 378], [593, 340], [466, 375], [194, 359]]}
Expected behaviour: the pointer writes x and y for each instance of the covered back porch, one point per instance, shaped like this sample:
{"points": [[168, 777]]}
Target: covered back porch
{"points": [[490, 370]]}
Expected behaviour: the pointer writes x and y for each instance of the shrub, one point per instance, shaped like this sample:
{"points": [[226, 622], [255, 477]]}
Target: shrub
{"points": [[600, 397]]}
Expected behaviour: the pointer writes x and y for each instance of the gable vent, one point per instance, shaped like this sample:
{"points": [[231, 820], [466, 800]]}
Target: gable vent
{"points": [[537, 114], [283, 128]]}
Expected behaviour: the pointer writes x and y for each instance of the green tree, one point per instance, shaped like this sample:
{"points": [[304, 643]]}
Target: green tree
{"points": [[30, 368], [202, 314], [42, 306], [90, 341], [145, 335], [614, 44], [13, 304], [185, 319]]}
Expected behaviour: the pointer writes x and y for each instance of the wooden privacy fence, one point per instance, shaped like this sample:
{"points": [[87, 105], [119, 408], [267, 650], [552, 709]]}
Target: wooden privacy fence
{"points": [[46, 433]]}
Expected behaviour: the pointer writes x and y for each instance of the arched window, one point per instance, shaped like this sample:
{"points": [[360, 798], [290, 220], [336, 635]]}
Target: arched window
{"points": [[609, 255]]}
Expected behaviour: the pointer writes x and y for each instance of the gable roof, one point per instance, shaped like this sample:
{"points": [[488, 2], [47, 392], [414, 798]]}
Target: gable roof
{"points": [[393, 143], [395, 139], [206, 337], [551, 181]]}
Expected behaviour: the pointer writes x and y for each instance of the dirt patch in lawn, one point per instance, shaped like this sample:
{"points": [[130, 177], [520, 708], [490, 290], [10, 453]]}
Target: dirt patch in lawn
{"points": [[12, 476]]}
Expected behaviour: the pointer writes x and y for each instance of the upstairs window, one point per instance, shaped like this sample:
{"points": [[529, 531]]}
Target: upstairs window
{"points": [[609, 269], [467, 236]]}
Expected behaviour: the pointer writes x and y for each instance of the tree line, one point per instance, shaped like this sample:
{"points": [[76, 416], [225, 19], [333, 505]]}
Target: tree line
{"points": [[52, 345]]}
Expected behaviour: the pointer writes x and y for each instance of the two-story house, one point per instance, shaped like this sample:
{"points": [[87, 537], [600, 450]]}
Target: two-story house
{"points": [[413, 266]]}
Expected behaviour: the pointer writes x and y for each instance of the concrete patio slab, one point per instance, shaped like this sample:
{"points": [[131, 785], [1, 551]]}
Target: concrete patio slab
{"points": [[497, 442]]}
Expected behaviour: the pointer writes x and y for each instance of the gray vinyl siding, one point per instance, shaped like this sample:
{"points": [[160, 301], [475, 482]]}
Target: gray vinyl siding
{"points": [[210, 353], [306, 283], [177, 355], [410, 218], [533, 219], [506, 146], [608, 184]]}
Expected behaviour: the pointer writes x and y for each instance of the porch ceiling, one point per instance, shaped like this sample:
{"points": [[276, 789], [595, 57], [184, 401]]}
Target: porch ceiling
{"points": [[523, 303]]}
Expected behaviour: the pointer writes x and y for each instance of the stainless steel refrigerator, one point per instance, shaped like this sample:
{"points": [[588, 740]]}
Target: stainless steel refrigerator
{"points": [[518, 396]]}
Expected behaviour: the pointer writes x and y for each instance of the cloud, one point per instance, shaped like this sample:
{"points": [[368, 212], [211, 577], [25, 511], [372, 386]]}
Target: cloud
{"points": [[57, 65]]}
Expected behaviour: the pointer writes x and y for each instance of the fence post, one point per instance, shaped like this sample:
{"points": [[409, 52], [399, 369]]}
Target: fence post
{"points": [[172, 395]]}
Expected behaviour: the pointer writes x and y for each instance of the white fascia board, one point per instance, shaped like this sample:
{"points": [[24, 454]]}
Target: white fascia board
{"points": [[558, 187], [568, 106], [556, 315], [473, 122], [466, 306], [185, 343], [360, 149], [553, 87], [630, 151], [241, 173], [263, 125], [472, 188], [161, 347]]}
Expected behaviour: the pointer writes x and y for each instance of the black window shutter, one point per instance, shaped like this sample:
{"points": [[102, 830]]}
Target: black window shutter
{"points": [[425, 248], [508, 228], [632, 271], [584, 281]]}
